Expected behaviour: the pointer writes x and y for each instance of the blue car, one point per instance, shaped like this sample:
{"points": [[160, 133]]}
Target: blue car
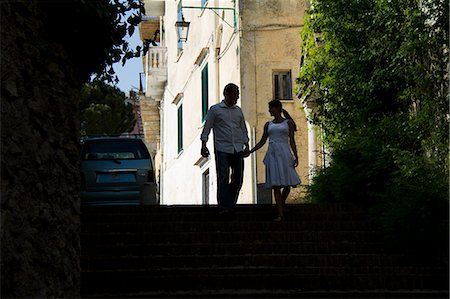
{"points": [[116, 171]]}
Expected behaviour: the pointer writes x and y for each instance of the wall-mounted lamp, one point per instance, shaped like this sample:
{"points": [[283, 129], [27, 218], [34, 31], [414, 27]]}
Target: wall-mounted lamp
{"points": [[183, 26], [183, 29]]}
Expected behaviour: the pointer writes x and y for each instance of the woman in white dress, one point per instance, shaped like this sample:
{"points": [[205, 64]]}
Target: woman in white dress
{"points": [[280, 161]]}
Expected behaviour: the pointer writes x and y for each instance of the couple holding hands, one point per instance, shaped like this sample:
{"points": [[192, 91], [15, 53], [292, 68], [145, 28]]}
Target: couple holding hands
{"points": [[231, 147]]}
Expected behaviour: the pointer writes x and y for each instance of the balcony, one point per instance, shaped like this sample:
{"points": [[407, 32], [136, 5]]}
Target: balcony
{"points": [[149, 29], [156, 72]]}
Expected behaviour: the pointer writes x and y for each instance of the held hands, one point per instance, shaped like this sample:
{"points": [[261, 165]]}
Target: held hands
{"points": [[246, 152]]}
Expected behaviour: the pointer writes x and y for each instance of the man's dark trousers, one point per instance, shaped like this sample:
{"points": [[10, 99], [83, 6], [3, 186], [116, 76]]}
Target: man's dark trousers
{"points": [[228, 190]]}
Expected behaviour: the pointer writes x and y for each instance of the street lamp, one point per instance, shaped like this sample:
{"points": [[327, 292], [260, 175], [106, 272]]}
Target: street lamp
{"points": [[183, 29]]}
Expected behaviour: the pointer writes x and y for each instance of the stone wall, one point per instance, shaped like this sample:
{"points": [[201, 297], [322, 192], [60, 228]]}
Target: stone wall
{"points": [[150, 120], [270, 42], [39, 152], [150, 115]]}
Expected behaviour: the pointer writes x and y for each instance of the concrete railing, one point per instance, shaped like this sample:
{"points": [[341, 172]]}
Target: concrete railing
{"points": [[156, 58], [156, 72]]}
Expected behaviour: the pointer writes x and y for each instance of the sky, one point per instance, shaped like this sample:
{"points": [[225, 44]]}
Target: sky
{"points": [[129, 74]]}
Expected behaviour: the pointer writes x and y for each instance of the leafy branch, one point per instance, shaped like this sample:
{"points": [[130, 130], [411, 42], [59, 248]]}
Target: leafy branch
{"points": [[94, 32]]}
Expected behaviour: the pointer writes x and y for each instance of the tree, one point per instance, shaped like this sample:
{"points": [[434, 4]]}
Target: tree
{"points": [[94, 33], [48, 49], [103, 110], [381, 83]]}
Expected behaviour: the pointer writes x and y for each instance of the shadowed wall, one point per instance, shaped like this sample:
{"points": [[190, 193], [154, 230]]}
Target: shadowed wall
{"points": [[39, 152]]}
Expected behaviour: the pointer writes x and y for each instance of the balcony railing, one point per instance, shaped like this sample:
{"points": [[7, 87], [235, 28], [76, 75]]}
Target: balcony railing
{"points": [[156, 59], [156, 71]]}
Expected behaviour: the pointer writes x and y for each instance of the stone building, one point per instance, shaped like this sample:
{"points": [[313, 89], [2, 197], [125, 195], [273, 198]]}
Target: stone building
{"points": [[133, 99], [155, 67], [198, 47]]}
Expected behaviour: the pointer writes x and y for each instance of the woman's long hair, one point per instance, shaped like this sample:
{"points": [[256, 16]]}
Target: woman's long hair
{"points": [[277, 104]]}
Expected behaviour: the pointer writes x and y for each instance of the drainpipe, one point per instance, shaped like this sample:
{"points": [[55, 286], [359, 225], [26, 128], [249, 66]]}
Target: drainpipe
{"points": [[218, 42], [162, 42], [161, 142], [254, 174], [312, 150]]}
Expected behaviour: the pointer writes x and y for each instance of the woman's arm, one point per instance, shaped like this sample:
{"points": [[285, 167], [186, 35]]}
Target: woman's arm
{"points": [[263, 139], [292, 141]]}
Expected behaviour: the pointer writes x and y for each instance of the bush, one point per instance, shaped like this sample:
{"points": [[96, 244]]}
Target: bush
{"points": [[377, 72], [407, 192], [359, 171], [413, 210]]}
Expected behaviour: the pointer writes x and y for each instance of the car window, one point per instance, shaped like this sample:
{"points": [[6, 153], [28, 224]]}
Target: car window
{"points": [[114, 149]]}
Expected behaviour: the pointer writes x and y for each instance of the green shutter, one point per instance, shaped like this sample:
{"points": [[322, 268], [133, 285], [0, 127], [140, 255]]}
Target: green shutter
{"points": [[276, 87], [180, 128], [204, 92]]}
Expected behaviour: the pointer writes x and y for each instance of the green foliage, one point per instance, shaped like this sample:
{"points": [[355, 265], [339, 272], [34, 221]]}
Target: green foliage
{"points": [[103, 110], [359, 172], [380, 57], [380, 80], [413, 211], [93, 32]]}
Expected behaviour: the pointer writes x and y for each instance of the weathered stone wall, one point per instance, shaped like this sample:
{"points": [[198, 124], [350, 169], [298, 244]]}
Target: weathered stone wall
{"points": [[150, 119], [150, 116], [270, 41], [39, 152]]}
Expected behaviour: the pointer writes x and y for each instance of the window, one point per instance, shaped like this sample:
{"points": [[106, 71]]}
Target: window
{"points": [[180, 128], [204, 92], [282, 85], [114, 150]]}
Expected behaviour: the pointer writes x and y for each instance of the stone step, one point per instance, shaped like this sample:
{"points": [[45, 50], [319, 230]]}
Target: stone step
{"points": [[214, 216], [226, 226], [142, 280], [89, 250], [190, 252], [262, 270], [142, 238], [240, 208], [274, 293], [251, 260], [301, 212]]}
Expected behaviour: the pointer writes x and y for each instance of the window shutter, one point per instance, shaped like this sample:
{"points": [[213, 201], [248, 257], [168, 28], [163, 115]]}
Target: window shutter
{"points": [[180, 128], [204, 92], [276, 87], [288, 93]]}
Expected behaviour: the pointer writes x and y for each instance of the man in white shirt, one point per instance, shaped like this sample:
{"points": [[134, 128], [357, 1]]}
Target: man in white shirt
{"points": [[230, 146]]}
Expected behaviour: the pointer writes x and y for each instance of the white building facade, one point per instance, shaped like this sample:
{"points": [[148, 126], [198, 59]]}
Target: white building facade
{"points": [[252, 43]]}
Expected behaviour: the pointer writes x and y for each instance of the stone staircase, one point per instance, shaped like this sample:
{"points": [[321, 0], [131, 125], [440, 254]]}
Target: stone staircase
{"points": [[320, 251]]}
